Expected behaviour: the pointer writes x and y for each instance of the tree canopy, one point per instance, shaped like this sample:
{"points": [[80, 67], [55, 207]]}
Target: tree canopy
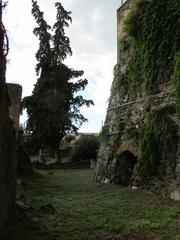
{"points": [[86, 148], [54, 107]]}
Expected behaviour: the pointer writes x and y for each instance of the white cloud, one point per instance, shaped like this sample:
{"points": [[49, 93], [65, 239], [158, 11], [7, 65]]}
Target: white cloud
{"points": [[93, 40]]}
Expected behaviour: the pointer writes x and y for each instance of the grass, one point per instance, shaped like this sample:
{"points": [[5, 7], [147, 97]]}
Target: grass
{"points": [[67, 205]]}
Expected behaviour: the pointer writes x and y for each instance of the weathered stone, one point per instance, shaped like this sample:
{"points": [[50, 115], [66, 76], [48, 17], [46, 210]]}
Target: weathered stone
{"points": [[178, 168], [132, 110], [7, 167], [128, 145], [7, 143], [120, 14], [175, 195], [177, 171], [15, 93]]}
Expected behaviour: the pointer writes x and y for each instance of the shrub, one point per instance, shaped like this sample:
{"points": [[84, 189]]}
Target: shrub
{"points": [[85, 148], [130, 23], [141, 3]]}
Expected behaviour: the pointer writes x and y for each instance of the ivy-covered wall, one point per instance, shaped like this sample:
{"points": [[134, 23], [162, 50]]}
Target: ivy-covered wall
{"points": [[145, 93], [151, 32]]}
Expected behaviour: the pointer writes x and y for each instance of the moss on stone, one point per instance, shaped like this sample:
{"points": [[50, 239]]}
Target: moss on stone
{"points": [[157, 146]]}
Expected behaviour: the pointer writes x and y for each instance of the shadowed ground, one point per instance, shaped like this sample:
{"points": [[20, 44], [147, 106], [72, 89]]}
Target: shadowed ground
{"points": [[67, 205]]}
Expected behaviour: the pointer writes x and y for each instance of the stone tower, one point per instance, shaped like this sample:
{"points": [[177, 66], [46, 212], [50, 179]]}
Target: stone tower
{"points": [[126, 116]]}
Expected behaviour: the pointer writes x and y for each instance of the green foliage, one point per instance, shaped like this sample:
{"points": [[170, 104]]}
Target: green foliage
{"points": [[120, 82], [158, 38], [153, 26], [124, 45], [118, 128], [176, 80], [130, 23], [157, 145], [54, 107], [134, 73], [141, 3], [133, 133], [103, 136], [119, 125], [86, 148]]}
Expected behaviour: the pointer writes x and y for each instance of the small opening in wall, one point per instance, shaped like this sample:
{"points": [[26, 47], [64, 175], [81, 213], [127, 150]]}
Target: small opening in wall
{"points": [[124, 168]]}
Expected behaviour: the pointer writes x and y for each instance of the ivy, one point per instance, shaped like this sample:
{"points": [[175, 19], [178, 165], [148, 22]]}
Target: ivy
{"points": [[176, 81], [153, 26], [124, 45], [151, 30], [150, 55], [133, 133], [131, 24], [158, 39], [103, 136], [134, 72], [157, 145], [120, 82]]}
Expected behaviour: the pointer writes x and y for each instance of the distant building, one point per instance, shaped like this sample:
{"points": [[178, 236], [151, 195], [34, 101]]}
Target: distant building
{"points": [[71, 139]]}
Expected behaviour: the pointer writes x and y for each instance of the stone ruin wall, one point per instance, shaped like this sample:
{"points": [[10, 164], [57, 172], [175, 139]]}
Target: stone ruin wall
{"points": [[15, 93], [133, 110], [120, 14], [7, 156]]}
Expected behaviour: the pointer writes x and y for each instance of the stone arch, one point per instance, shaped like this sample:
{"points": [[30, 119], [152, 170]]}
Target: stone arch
{"points": [[126, 159], [127, 145], [125, 163]]}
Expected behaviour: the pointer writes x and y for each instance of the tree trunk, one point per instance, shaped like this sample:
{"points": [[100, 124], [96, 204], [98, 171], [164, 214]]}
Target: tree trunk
{"points": [[7, 147]]}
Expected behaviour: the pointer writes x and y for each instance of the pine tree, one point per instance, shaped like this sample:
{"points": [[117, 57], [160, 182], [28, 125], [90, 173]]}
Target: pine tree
{"points": [[54, 107]]}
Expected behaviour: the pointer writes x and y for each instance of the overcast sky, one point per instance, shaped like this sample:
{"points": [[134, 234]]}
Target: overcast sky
{"points": [[93, 40]]}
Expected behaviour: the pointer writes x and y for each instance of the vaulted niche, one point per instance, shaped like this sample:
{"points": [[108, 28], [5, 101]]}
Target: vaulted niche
{"points": [[124, 168]]}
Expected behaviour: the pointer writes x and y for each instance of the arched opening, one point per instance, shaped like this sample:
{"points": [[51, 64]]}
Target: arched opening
{"points": [[124, 167]]}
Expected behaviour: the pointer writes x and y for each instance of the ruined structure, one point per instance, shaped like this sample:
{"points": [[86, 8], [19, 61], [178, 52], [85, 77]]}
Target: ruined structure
{"points": [[15, 94], [7, 142], [140, 140], [10, 96]]}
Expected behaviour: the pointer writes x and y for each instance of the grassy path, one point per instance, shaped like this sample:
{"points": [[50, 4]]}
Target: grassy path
{"points": [[69, 206]]}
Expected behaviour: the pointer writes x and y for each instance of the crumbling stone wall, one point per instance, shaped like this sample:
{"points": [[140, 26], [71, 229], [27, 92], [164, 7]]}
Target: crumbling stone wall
{"points": [[10, 96], [7, 142], [15, 93], [7, 166], [120, 14], [119, 134]]}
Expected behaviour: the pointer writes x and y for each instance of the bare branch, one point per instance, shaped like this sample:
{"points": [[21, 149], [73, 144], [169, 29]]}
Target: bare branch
{"points": [[6, 41], [4, 4]]}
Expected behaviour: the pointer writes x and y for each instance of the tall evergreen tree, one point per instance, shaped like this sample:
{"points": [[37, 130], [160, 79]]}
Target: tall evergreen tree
{"points": [[54, 107]]}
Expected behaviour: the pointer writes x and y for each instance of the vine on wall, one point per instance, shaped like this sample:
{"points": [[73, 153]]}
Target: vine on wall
{"points": [[151, 30], [151, 43], [176, 81], [151, 40], [157, 145]]}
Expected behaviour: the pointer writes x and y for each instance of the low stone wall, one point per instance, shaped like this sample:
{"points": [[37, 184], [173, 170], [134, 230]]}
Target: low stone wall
{"points": [[63, 165]]}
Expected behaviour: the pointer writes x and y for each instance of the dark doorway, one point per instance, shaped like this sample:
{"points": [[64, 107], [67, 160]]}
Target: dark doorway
{"points": [[124, 168]]}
